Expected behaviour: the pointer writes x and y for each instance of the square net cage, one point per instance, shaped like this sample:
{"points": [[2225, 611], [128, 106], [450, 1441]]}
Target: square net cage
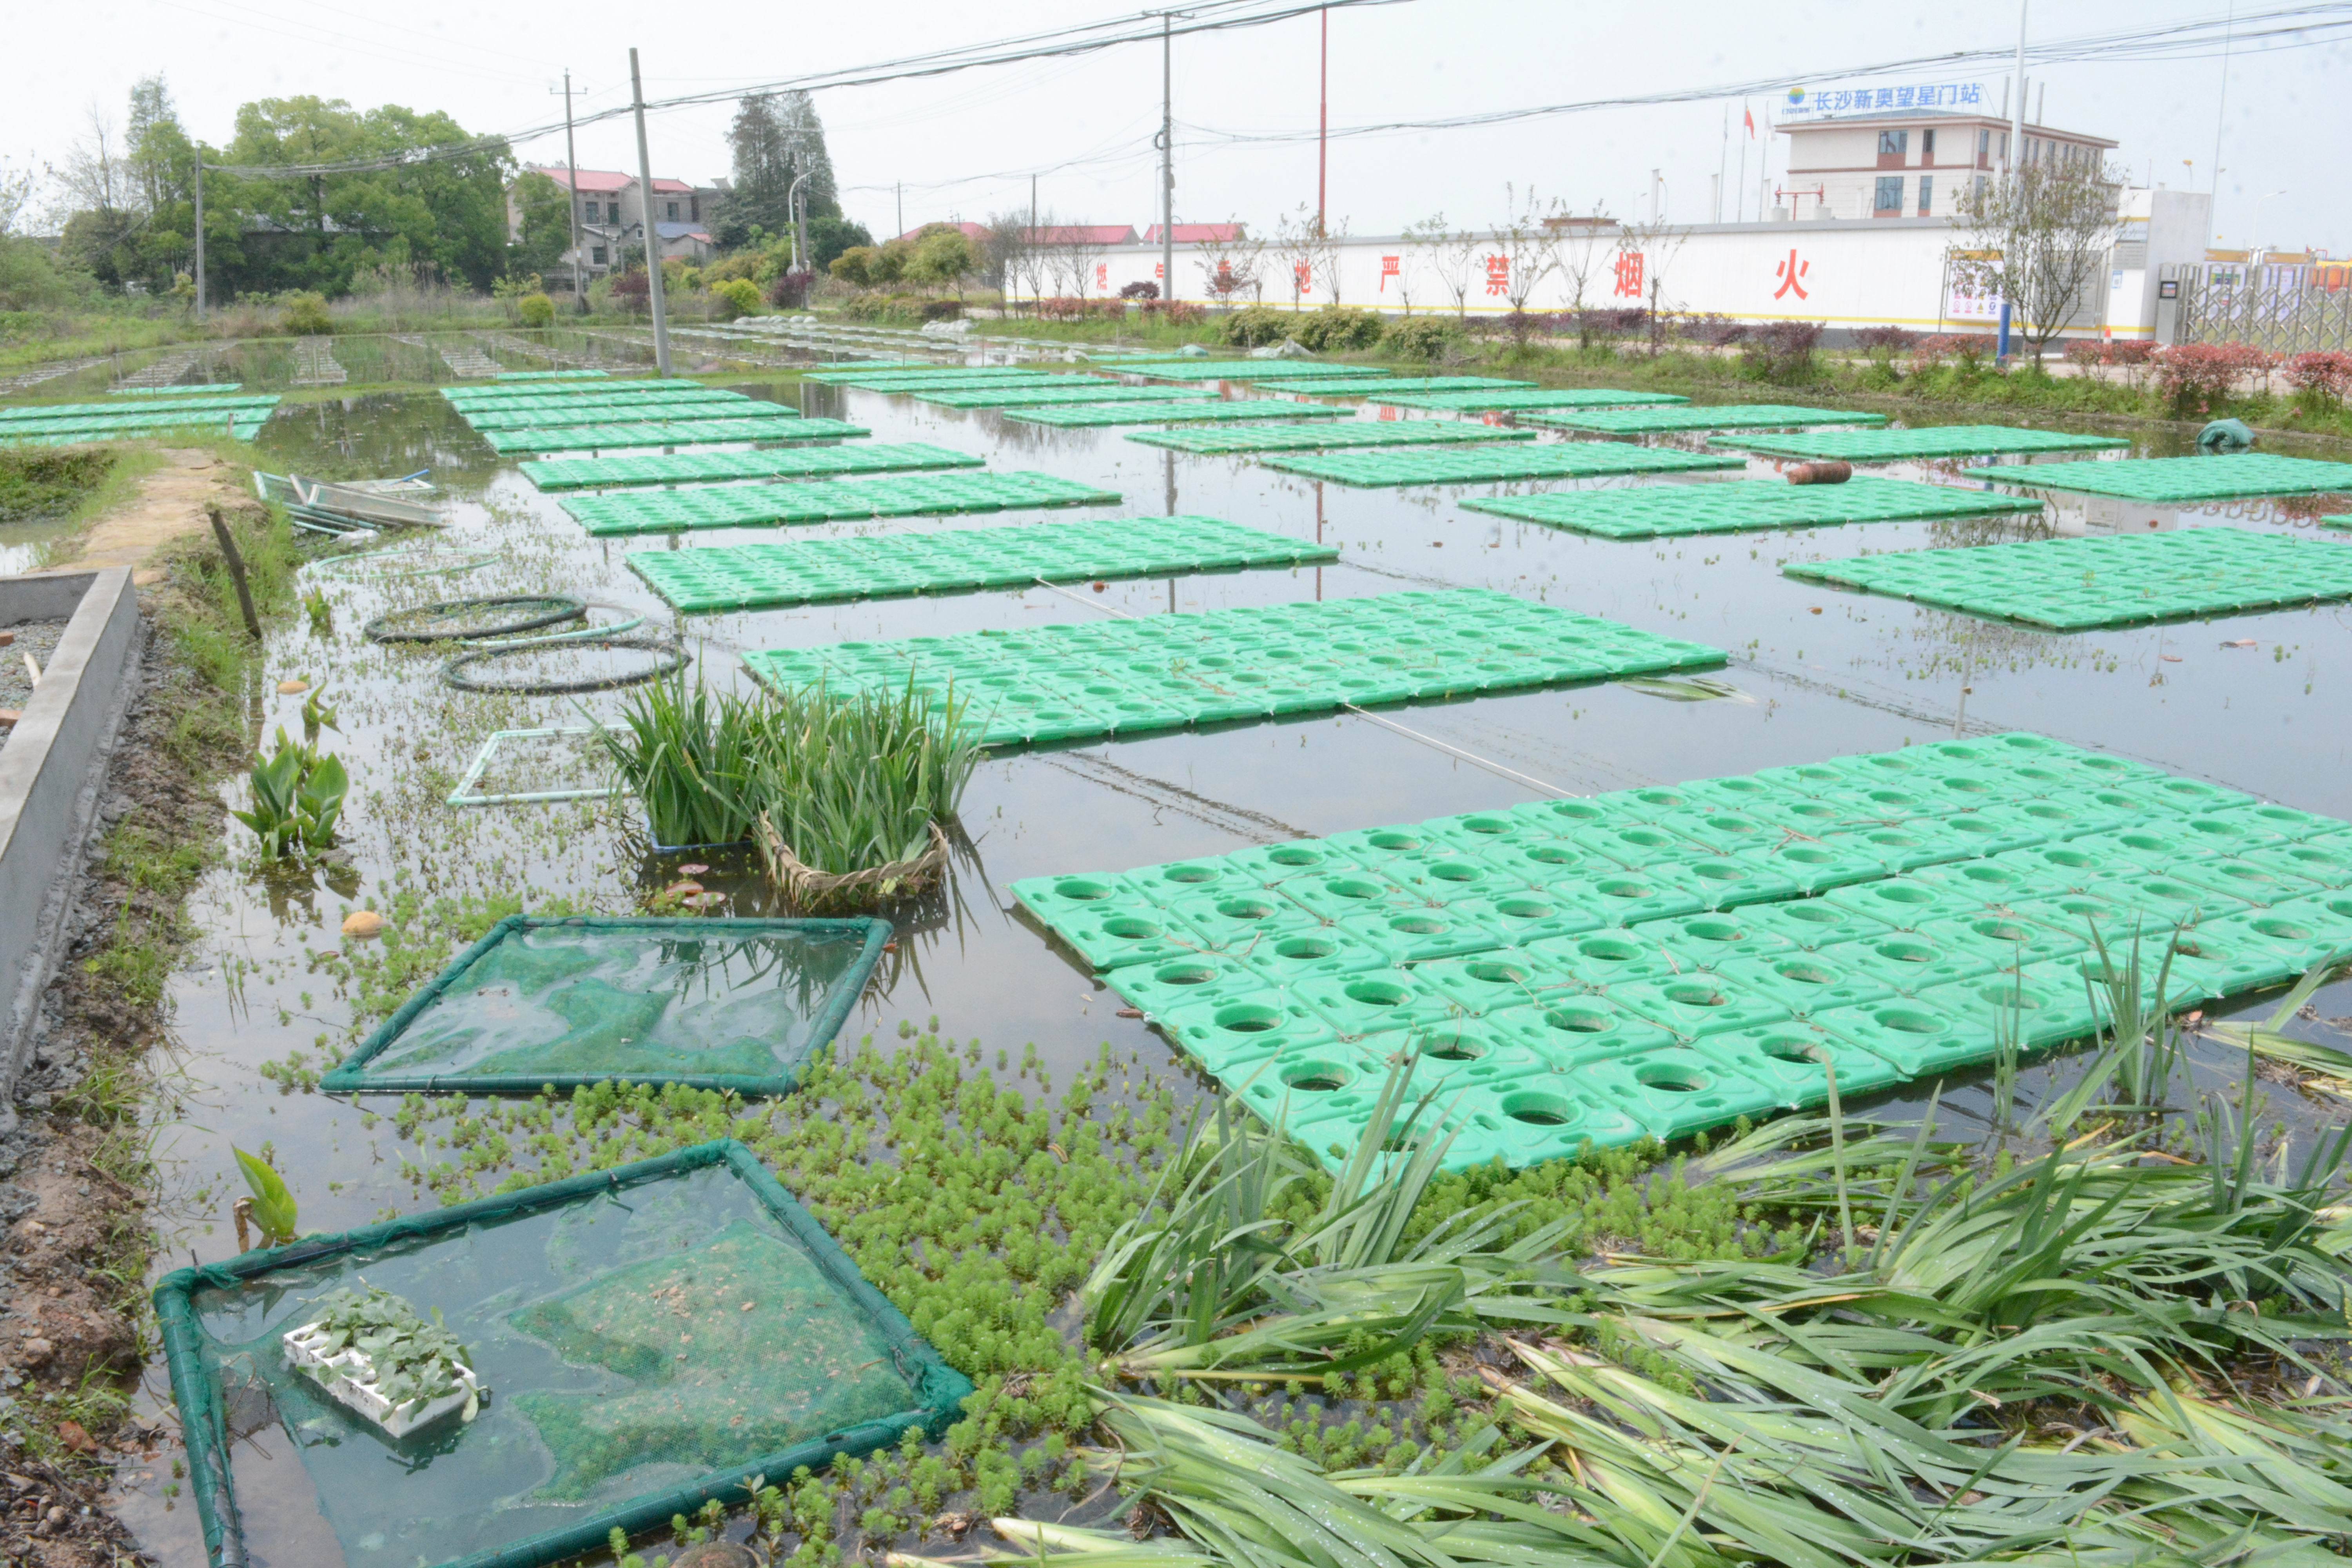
{"points": [[738, 1004], [650, 1337]]}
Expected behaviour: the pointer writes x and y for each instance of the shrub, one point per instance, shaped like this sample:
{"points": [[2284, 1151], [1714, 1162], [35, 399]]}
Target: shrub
{"points": [[1140, 289], [306, 315], [535, 310], [857, 266], [1885, 343], [942, 310], [1591, 326], [790, 291], [733, 297], [1070, 308], [2195, 376], [1715, 330], [2321, 379], [1430, 338], [1254, 326], [1783, 352], [1175, 312], [631, 290], [1967, 349], [1335, 329]]}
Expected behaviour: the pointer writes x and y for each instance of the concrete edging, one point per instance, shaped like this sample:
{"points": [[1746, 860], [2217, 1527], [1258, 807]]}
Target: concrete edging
{"points": [[52, 780]]}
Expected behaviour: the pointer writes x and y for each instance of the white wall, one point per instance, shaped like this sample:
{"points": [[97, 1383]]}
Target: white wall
{"points": [[1849, 273]]}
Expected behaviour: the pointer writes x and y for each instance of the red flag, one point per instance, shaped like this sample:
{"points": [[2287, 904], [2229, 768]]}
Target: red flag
{"points": [[1748, 115]]}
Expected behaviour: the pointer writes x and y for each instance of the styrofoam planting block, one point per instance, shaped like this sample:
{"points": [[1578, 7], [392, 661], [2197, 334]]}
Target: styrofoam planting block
{"points": [[1351, 433], [1730, 506], [1671, 1020], [1485, 464], [756, 506], [2074, 584], [348, 1377], [1180, 411], [675, 433], [740, 577], [1506, 401], [2168, 481], [687, 467], [1094, 679], [1722, 416], [1932, 441]]}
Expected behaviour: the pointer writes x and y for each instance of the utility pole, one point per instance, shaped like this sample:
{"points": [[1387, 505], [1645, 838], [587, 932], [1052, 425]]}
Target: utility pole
{"points": [[200, 234], [901, 189], [1167, 168], [2220, 106], [571, 199], [2013, 161], [1323, 132], [653, 234], [1029, 249]]}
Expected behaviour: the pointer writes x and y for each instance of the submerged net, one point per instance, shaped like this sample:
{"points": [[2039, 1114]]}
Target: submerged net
{"points": [[715, 1004], [455, 618], [649, 1337]]}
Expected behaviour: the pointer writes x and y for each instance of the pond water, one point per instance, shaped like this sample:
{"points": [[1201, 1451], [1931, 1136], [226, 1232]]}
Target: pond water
{"points": [[1812, 673]]}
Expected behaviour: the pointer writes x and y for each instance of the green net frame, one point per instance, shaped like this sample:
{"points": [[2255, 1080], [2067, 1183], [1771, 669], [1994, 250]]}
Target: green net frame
{"points": [[824, 1023], [939, 1388]]}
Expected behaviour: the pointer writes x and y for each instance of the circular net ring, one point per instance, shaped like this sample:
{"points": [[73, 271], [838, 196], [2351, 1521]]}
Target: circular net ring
{"points": [[480, 671], [454, 619]]}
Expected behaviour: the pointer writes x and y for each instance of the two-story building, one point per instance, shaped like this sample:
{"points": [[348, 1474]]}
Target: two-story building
{"points": [[1910, 165], [611, 209]]}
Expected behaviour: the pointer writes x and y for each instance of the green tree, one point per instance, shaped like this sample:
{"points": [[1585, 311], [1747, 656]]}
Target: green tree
{"points": [[2039, 238], [941, 256], [545, 230], [776, 139], [830, 236]]}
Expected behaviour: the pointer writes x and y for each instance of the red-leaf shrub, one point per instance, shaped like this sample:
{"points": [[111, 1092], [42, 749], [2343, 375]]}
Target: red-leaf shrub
{"points": [[2196, 376], [2323, 377]]}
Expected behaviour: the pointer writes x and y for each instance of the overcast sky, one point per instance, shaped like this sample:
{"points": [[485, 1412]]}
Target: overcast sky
{"points": [[965, 145]]}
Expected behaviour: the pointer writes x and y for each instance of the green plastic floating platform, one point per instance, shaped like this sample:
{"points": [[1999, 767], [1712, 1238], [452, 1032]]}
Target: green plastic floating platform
{"points": [[543, 396], [1359, 386], [878, 379], [612, 410], [1720, 417], [2162, 480], [653, 1336], [675, 433], [1733, 506], [747, 576], [1666, 961], [736, 1004], [130, 422], [35, 413], [548, 374], [689, 468], [1353, 433], [1095, 679], [1483, 465], [1195, 411], [756, 506], [1934, 441], [1539, 398], [1094, 391], [2078, 584], [1253, 370], [2336, 521]]}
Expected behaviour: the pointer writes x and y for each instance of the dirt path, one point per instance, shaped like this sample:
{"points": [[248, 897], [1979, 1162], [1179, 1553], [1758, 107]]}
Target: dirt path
{"points": [[170, 503]]}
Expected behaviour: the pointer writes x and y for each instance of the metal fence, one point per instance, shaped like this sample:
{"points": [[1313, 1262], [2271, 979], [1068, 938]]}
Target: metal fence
{"points": [[2286, 310]]}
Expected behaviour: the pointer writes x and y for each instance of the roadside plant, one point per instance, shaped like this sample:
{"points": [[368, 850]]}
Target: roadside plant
{"points": [[413, 1360], [298, 790], [2196, 377], [273, 1205]]}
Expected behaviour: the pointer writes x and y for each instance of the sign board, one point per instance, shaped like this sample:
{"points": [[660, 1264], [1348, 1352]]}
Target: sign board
{"points": [[1829, 100], [1967, 299]]}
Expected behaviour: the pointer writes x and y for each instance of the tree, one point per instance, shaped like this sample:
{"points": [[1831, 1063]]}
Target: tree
{"points": [[1520, 256], [1580, 257], [942, 257], [1076, 254], [1326, 247], [831, 236], [1420, 239], [1230, 263], [1653, 244], [855, 266], [776, 139], [1296, 248], [2038, 237], [1003, 254], [546, 227], [1455, 252]]}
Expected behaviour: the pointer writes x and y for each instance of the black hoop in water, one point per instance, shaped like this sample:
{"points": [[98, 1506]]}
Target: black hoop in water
{"points": [[468, 671], [451, 619]]}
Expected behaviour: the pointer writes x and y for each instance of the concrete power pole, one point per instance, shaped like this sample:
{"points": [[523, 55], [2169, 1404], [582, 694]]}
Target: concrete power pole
{"points": [[2014, 160], [653, 234], [571, 199], [200, 235], [1166, 170]]}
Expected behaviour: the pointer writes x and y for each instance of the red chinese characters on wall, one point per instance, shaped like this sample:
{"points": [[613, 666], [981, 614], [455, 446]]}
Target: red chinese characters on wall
{"points": [[1498, 275], [1791, 274], [1102, 274], [1390, 267], [1628, 268], [1304, 272]]}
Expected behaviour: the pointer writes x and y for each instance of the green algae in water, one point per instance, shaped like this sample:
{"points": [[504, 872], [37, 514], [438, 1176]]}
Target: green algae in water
{"points": [[716, 1004], [739, 1346]]}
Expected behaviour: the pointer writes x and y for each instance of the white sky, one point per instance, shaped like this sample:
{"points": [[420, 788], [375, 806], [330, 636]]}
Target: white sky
{"points": [[965, 145]]}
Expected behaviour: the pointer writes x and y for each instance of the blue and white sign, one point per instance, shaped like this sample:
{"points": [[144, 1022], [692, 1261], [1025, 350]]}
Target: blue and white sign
{"points": [[1869, 98]]}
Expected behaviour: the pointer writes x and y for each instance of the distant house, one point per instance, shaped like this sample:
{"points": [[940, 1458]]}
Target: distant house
{"points": [[612, 213], [1082, 234]]}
